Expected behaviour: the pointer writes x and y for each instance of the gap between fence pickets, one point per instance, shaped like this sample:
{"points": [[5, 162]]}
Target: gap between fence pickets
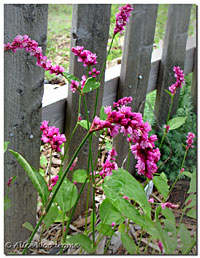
{"points": [[54, 100]]}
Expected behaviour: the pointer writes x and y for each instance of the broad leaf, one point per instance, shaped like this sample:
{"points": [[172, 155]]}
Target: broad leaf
{"points": [[192, 213], [192, 203], [90, 85], [5, 146], [161, 185], [43, 161], [28, 226], [103, 115], [70, 77], [83, 241], [108, 213], [60, 218], [168, 215], [35, 177], [104, 229], [51, 216], [176, 122], [66, 195], [185, 238], [128, 243], [79, 175]]}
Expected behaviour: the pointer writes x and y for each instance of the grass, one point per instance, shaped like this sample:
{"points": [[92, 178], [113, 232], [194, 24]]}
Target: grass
{"points": [[59, 27]]}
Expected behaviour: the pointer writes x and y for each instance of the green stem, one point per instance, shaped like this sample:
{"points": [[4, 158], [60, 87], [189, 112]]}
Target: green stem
{"points": [[128, 160], [146, 247], [55, 192], [138, 247], [178, 173], [190, 247], [109, 239], [49, 169], [87, 205]]}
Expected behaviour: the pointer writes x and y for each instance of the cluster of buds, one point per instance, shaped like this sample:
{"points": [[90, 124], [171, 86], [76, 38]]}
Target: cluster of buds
{"points": [[168, 205], [51, 135], [109, 165], [190, 140], [32, 47], [84, 56], [53, 182], [121, 119], [179, 80], [122, 18]]}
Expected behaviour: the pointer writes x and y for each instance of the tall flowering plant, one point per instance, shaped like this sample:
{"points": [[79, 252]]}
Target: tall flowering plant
{"points": [[127, 200]]}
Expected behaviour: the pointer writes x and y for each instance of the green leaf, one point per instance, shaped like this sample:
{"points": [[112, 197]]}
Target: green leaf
{"points": [[193, 181], [192, 203], [185, 238], [114, 187], [59, 217], [79, 175], [108, 146], [128, 243], [35, 177], [51, 216], [176, 122], [161, 185], [186, 173], [90, 85], [104, 229], [103, 115], [43, 161], [28, 226], [83, 123], [70, 77], [192, 213], [6, 146], [108, 213], [169, 93], [66, 195], [83, 241], [168, 215]]}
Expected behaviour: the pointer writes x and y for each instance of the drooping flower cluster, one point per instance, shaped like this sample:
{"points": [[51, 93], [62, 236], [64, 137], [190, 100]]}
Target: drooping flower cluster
{"points": [[53, 182], [122, 18], [32, 47], [122, 119], [109, 165], [179, 80], [168, 205], [84, 56], [51, 135], [190, 140]]}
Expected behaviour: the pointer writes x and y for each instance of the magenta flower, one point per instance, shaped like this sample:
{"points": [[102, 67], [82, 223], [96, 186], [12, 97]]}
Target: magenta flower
{"points": [[31, 46], [160, 245], [74, 164], [166, 128], [84, 56], [190, 140], [74, 86], [9, 181], [182, 170], [122, 18], [125, 197], [94, 72], [113, 224], [151, 200], [53, 182], [168, 205], [51, 135], [179, 80]]}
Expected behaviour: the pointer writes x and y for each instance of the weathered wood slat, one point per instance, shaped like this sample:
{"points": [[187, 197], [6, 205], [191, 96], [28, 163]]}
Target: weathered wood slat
{"points": [[136, 65], [90, 28], [23, 90], [173, 55]]}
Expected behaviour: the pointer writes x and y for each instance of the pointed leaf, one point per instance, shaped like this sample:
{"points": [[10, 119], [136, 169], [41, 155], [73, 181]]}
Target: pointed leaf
{"points": [[169, 93], [51, 216], [84, 124], [35, 177], [79, 175], [108, 213], [70, 77], [193, 182], [176, 122], [128, 243], [66, 195], [28, 226], [6, 146], [90, 85], [185, 238], [83, 241], [161, 185]]}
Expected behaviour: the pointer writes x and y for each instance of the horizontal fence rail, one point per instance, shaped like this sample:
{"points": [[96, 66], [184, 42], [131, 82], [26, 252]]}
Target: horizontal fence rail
{"points": [[54, 101]]}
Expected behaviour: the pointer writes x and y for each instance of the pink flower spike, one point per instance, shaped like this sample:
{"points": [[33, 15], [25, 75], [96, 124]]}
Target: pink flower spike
{"points": [[9, 181], [188, 202], [113, 224], [166, 128], [125, 197], [75, 182], [160, 245], [151, 200], [182, 170]]}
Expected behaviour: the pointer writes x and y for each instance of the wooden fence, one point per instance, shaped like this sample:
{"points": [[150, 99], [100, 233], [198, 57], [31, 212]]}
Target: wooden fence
{"points": [[141, 71]]}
